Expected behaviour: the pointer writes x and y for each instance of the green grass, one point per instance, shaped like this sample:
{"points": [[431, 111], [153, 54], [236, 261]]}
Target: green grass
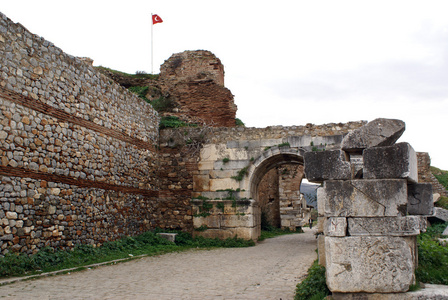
{"points": [[273, 232], [432, 257], [441, 175], [141, 92], [171, 122], [148, 243], [314, 285], [137, 75]]}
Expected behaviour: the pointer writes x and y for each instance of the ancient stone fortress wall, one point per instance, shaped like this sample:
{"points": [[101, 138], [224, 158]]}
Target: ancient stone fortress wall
{"points": [[78, 159], [224, 153]]}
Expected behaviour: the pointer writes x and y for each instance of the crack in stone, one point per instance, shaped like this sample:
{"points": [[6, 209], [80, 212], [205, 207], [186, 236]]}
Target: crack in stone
{"points": [[370, 198]]}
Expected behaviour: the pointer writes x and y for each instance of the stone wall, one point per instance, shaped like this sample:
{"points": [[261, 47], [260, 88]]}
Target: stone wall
{"points": [[268, 198], [425, 174], [78, 158]]}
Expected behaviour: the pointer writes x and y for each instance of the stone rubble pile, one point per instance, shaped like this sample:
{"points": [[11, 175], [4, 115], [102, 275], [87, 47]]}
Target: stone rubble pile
{"points": [[371, 208]]}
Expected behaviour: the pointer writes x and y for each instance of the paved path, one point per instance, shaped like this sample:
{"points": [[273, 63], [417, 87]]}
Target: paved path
{"points": [[269, 270]]}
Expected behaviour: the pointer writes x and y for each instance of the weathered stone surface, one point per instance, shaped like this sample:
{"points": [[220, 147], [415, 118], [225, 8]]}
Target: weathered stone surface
{"points": [[429, 292], [168, 236], [369, 264], [397, 161], [335, 226], [321, 249], [440, 214], [420, 199], [365, 198], [326, 165], [445, 232], [356, 164], [377, 133], [321, 201], [321, 224], [390, 226]]}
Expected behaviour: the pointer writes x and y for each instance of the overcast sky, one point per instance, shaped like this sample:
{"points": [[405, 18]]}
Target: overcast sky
{"points": [[287, 62]]}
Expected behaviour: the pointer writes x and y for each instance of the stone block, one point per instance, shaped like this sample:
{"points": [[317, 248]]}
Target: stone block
{"points": [[428, 292], [357, 166], [321, 224], [320, 201], [420, 199], [365, 198], [377, 133], [201, 183], [326, 165], [233, 221], [397, 161], [168, 236], [335, 226], [445, 232], [386, 226], [223, 233], [371, 264], [224, 183], [440, 214], [212, 221], [321, 249]]}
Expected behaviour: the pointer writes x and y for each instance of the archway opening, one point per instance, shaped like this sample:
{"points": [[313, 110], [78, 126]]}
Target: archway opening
{"points": [[275, 185]]}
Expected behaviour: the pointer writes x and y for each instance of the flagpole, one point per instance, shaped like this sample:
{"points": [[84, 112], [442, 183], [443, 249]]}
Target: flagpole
{"points": [[152, 51]]}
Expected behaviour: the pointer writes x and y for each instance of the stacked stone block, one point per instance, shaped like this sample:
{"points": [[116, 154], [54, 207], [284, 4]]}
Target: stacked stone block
{"points": [[371, 209]]}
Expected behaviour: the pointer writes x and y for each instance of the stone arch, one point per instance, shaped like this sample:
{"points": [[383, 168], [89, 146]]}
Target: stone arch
{"points": [[289, 208], [269, 159]]}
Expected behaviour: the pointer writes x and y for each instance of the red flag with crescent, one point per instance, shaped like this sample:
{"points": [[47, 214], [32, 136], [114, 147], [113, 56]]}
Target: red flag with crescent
{"points": [[156, 19]]}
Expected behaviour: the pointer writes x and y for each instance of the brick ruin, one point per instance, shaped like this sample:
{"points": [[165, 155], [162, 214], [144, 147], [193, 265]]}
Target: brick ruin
{"points": [[83, 160]]}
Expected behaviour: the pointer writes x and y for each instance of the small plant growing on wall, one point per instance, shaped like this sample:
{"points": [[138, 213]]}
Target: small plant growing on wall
{"points": [[220, 205], [204, 209], [284, 145], [201, 228], [241, 174], [225, 160]]}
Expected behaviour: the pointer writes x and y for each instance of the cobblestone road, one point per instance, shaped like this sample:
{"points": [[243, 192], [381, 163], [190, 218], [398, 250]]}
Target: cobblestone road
{"points": [[269, 270]]}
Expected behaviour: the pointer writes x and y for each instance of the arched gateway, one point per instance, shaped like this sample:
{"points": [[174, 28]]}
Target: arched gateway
{"points": [[229, 193]]}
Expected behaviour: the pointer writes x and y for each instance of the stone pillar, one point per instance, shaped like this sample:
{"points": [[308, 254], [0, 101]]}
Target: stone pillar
{"points": [[369, 233]]}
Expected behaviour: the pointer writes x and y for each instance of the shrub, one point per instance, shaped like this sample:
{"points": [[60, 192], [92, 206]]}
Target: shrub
{"points": [[171, 122], [141, 92], [163, 104], [238, 122]]}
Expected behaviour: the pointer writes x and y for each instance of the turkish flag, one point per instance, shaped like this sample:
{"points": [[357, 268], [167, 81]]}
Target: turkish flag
{"points": [[156, 19]]}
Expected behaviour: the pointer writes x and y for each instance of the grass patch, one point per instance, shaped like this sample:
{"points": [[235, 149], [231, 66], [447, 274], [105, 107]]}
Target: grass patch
{"points": [[441, 175], [141, 92], [148, 243], [314, 285], [171, 122], [138, 74], [432, 257], [266, 234], [443, 202]]}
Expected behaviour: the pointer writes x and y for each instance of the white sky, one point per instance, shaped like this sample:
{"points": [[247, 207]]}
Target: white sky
{"points": [[288, 62]]}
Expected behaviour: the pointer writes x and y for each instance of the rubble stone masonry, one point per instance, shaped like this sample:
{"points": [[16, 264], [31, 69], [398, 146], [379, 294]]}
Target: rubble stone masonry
{"points": [[78, 157]]}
